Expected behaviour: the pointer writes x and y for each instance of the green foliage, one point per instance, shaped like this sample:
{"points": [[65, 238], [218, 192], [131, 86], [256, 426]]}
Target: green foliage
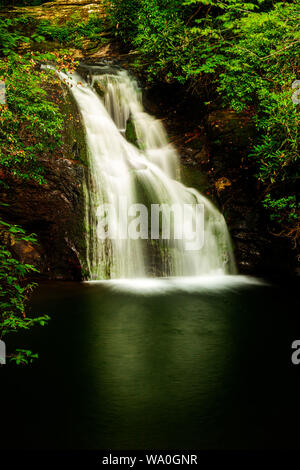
{"points": [[24, 357], [263, 65], [30, 125], [157, 30], [15, 289], [246, 51], [30, 122], [283, 209], [10, 37], [71, 32]]}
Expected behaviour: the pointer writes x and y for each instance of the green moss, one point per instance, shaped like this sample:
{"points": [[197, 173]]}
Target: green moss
{"points": [[99, 88], [130, 133], [74, 134]]}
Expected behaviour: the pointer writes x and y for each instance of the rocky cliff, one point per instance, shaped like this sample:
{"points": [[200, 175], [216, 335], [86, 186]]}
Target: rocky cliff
{"points": [[54, 210]]}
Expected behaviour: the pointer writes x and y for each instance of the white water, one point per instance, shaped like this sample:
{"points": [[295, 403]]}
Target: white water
{"points": [[185, 284], [148, 175]]}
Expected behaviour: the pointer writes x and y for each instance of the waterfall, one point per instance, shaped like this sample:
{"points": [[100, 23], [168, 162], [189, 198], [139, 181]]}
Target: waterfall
{"points": [[131, 162]]}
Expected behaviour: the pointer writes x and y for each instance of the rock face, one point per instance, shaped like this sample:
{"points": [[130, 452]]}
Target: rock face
{"points": [[54, 211], [257, 251], [60, 10], [215, 143]]}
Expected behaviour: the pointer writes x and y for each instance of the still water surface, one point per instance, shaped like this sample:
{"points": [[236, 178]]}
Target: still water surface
{"points": [[161, 364]]}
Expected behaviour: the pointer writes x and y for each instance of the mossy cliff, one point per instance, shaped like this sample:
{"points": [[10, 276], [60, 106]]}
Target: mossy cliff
{"points": [[54, 211]]}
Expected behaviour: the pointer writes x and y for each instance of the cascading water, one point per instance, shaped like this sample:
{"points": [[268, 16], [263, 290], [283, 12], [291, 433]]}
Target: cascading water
{"points": [[144, 172]]}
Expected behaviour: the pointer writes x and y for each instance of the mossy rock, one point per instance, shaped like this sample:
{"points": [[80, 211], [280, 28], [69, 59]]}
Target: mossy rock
{"points": [[100, 89], [74, 136], [130, 133]]}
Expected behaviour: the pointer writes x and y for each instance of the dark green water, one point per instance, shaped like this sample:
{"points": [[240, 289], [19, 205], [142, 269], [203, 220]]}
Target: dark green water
{"points": [[161, 366]]}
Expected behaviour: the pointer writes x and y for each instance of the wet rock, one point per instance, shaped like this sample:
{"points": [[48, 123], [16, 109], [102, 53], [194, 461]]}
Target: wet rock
{"points": [[230, 129], [55, 213], [130, 133], [99, 89], [237, 194]]}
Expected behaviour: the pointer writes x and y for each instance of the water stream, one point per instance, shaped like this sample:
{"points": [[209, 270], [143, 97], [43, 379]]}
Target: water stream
{"points": [[126, 175]]}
